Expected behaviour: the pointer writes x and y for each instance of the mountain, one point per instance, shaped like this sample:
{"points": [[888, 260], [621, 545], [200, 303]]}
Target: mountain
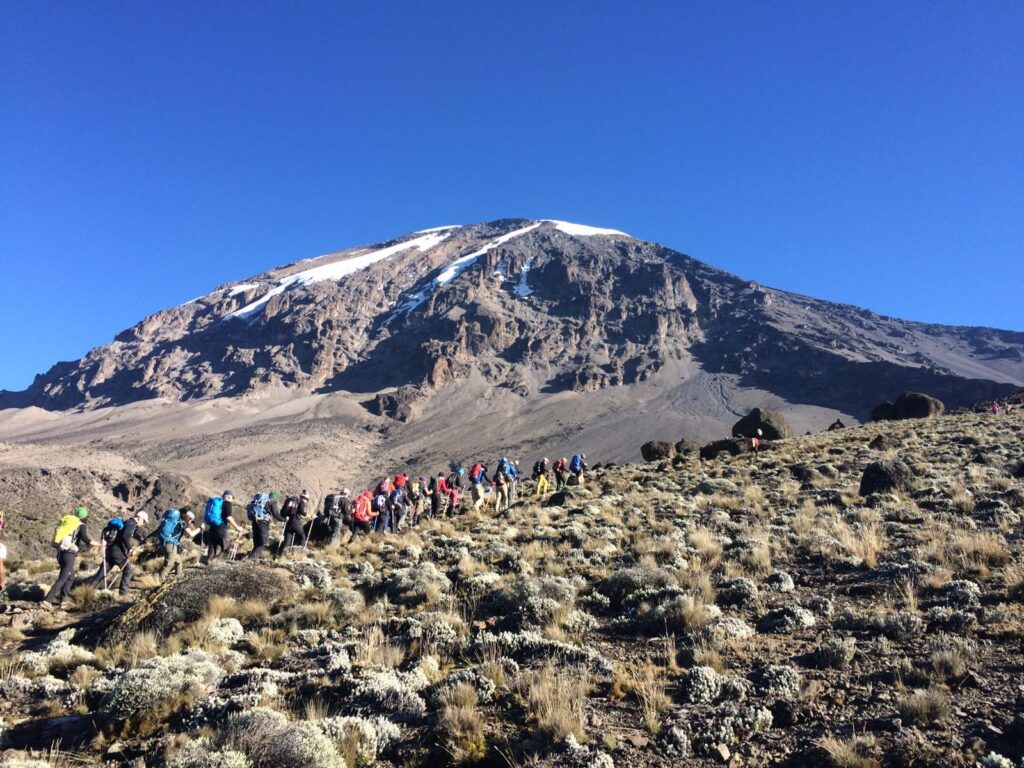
{"points": [[535, 307], [515, 337]]}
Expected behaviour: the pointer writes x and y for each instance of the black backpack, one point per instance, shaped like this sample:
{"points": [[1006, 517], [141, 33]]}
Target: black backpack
{"points": [[538, 468], [331, 505], [290, 507]]}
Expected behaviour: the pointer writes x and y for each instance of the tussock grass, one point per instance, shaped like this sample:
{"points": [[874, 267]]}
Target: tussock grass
{"points": [[555, 701]]}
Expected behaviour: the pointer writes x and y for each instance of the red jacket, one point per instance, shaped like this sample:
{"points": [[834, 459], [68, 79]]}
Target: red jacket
{"points": [[364, 507]]}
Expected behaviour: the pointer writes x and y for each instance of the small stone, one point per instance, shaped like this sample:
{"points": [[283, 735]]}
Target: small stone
{"points": [[639, 741], [723, 753]]}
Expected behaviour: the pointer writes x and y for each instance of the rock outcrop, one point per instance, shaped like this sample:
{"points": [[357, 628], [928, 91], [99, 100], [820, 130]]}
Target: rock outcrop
{"points": [[657, 450], [909, 405], [885, 477], [773, 425]]}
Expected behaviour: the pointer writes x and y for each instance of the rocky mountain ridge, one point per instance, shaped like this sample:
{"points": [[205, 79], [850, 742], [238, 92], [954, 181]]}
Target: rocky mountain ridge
{"points": [[534, 307]]}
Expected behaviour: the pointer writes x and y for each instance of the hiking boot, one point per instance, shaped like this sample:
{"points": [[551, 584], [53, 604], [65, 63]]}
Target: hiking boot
{"points": [[46, 605]]}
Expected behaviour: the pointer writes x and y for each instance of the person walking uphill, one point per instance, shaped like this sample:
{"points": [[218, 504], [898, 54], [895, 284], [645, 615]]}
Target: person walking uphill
{"points": [[296, 511], [219, 520], [577, 466], [263, 508], [70, 536], [540, 475], [174, 525], [560, 472], [118, 541]]}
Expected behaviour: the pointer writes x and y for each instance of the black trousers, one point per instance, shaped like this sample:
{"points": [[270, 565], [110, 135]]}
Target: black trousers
{"points": [[217, 543], [66, 578], [260, 538], [116, 557], [295, 533]]}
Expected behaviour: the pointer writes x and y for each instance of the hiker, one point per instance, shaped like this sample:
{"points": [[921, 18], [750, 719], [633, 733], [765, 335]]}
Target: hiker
{"points": [[118, 540], [755, 441], [477, 478], [263, 508], [415, 495], [363, 514], [295, 510], [559, 469], [69, 537], [501, 486], [337, 514], [219, 522], [438, 493], [512, 470], [174, 525], [577, 466], [455, 485], [540, 475], [396, 504]]}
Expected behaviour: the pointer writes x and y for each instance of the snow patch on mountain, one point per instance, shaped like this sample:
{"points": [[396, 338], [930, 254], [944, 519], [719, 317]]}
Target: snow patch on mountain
{"points": [[437, 229], [582, 230], [337, 270], [237, 289], [522, 290]]}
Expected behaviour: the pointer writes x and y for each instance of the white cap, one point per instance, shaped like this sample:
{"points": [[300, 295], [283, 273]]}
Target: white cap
{"points": [[142, 517], [345, 492]]}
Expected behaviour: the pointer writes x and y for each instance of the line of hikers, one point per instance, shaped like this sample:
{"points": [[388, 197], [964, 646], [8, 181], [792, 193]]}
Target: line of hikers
{"points": [[391, 505]]}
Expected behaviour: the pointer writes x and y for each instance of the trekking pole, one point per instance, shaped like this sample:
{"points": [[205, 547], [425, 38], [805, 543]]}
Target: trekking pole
{"points": [[309, 532]]}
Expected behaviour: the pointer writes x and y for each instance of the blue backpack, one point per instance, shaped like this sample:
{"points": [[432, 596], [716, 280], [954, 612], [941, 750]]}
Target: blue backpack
{"points": [[112, 530], [214, 514], [576, 464], [257, 509], [168, 525]]}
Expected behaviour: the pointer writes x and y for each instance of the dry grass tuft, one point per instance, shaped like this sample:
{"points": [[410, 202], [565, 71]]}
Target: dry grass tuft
{"points": [[924, 707], [556, 701], [462, 725], [855, 752]]}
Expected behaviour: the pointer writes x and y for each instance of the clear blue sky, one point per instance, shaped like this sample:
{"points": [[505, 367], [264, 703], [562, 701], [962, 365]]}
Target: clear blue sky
{"points": [[871, 153]]}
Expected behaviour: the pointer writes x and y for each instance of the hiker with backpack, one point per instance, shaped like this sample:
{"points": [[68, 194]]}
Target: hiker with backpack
{"points": [[415, 494], [512, 470], [295, 511], [455, 485], [577, 466], [396, 504], [263, 508], [437, 490], [540, 476], [337, 515], [117, 541], [219, 523], [501, 483], [477, 480], [560, 470], [173, 525], [70, 536], [363, 513]]}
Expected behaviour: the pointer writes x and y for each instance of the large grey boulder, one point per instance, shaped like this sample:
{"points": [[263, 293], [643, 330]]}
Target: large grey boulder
{"points": [[773, 425], [909, 405], [886, 476]]}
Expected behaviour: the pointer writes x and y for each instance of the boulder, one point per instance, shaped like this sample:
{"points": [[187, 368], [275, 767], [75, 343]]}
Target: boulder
{"points": [[909, 405], [837, 424], [184, 600], [657, 450], [685, 446], [883, 443], [730, 446], [885, 477], [773, 425]]}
